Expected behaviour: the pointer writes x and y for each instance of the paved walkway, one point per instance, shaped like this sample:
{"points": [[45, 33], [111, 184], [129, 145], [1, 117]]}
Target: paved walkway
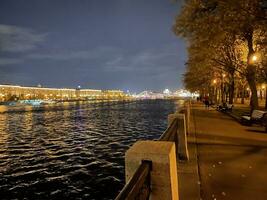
{"points": [[227, 160]]}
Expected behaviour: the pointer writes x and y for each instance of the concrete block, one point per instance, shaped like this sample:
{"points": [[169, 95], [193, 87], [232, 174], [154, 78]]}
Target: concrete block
{"points": [[164, 181], [182, 149], [187, 115], [182, 138]]}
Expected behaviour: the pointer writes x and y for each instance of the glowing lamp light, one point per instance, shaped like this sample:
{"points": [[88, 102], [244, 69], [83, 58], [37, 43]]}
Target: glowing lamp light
{"points": [[166, 91], [214, 81], [254, 58]]}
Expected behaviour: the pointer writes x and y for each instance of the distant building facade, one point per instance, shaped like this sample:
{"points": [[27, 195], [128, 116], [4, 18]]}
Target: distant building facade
{"points": [[15, 92]]}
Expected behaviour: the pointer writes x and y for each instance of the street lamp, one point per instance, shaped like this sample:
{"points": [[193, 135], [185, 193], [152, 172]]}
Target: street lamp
{"points": [[254, 58]]}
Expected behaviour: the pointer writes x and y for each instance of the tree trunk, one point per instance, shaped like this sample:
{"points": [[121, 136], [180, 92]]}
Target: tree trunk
{"points": [[251, 72], [238, 94], [265, 98], [231, 88], [226, 94], [243, 95], [222, 92], [216, 95], [210, 94], [254, 104]]}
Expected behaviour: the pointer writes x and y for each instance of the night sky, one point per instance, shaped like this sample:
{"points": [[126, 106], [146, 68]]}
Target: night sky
{"points": [[98, 44]]}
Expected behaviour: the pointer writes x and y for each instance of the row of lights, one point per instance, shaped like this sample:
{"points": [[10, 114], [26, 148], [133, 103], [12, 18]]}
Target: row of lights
{"points": [[254, 58], [215, 81]]}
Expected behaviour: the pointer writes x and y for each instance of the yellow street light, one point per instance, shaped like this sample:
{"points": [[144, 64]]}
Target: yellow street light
{"points": [[214, 81], [224, 75], [254, 58]]}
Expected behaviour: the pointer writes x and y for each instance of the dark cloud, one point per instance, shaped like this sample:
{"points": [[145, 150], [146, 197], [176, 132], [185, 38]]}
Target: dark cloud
{"points": [[18, 39], [10, 61]]}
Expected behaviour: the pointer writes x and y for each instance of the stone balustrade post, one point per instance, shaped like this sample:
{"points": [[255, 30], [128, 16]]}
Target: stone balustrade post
{"points": [[181, 142], [188, 116], [164, 180]]}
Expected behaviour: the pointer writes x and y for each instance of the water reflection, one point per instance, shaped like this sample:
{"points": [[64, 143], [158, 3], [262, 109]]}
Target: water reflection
{"points": [[74, 151]]}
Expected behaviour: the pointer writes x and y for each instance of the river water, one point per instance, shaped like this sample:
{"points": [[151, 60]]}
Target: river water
{"points": [[74, 151]]}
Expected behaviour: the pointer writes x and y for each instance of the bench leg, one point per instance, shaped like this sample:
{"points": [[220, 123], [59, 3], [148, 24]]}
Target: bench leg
{"points": [[246, 122]]}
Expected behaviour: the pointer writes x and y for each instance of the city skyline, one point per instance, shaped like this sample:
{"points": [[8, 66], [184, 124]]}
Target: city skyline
{"points": [[126, 45]]}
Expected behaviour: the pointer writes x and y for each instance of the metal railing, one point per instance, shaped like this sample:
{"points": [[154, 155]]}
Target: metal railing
{"points": [[170, 133], [139, 185], [138, 188]]}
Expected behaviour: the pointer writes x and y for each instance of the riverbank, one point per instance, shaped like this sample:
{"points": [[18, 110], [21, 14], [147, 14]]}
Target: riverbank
{"points": [[230, 157]]}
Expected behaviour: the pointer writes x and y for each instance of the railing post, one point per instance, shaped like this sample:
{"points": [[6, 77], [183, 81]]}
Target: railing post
{"points": [[181, 137], [187, 115], [164, 181], [171, 117]]}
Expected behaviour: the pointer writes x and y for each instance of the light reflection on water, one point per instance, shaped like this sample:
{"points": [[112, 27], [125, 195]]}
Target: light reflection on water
{"points": [[74, 153]]}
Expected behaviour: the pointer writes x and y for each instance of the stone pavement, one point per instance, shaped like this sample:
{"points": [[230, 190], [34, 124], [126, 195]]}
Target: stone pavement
{"points": [[227, 160]]}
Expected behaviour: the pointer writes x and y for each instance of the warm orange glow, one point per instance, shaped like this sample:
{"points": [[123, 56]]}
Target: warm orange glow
{"points": [[23, 92], [254, 58]]}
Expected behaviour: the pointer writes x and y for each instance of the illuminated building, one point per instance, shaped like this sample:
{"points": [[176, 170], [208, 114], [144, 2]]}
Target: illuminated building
{"points": [[15, 92]]}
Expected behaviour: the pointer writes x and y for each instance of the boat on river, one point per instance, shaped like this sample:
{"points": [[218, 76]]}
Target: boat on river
{"points": [[35, 102]]}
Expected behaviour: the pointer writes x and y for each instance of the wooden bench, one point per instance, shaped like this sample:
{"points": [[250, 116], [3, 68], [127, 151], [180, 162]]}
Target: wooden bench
{"points": [[225, 107], [257, 117], [264, 121]]}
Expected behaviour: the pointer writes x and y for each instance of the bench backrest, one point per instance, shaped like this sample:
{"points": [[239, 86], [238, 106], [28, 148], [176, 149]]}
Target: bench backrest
{"points": [[229, 105], [257, 114]]}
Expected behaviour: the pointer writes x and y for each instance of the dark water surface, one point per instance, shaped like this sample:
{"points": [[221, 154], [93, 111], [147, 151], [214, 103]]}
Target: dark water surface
{"points": [[76, 152]]}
